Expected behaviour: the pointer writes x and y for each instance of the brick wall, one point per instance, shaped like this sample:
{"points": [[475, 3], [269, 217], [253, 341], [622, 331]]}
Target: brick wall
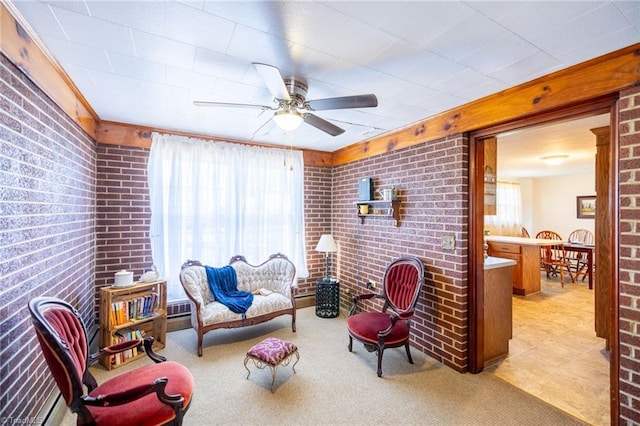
{"points": [[433, 183], [47, 221], [318, 209], [123, 217], [122, 213], [629, 296]]}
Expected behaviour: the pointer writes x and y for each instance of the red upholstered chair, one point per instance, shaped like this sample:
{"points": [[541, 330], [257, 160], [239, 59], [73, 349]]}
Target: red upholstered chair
{"points": [[390, 328], [152, 394]]}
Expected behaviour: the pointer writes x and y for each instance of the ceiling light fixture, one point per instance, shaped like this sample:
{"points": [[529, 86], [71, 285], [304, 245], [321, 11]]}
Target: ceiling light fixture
{"points": [[288, 119], [554, 160]]}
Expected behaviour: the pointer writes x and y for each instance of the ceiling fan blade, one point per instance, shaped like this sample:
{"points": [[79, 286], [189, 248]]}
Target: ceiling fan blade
{"points": [[322, 124], [273, 80], [230, 104], [358, 101]]}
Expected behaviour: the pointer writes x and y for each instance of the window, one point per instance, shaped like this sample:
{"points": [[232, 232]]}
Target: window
{"points": [[508, 217], [213, 200]]}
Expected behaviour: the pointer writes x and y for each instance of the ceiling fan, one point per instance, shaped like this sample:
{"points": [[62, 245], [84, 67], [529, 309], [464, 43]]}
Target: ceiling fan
{"points": [[292, 108]]}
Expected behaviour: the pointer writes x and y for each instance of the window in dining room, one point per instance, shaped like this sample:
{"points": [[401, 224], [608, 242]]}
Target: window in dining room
{"points": [[508, 217]]}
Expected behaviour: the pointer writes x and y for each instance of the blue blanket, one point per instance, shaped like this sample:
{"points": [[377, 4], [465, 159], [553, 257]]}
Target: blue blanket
{"points": [[224, 286]]}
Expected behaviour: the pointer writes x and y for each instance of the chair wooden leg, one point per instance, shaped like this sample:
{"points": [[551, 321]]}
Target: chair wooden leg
{"points": [[380, 352], [406, 345], [350, 343]]}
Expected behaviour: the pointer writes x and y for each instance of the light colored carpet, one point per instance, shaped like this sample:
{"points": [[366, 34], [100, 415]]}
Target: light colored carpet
{"points": [[335, 387]]}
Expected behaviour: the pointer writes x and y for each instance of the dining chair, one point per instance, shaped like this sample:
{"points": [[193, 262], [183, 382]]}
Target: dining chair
{"points": [[554, 257], [579, 259], [524, 233]]}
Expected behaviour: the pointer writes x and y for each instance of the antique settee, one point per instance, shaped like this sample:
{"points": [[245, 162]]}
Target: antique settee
{"points": [[272, 283]]}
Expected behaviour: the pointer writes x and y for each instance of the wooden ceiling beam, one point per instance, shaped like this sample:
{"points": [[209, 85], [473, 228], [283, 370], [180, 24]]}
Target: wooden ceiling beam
{"points": [[112, 133]]}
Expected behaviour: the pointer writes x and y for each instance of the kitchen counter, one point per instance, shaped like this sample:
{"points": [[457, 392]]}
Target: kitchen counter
{"points": [[521, 240], [497, 262], [526, 253]]}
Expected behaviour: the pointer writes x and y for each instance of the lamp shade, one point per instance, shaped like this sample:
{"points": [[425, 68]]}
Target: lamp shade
{"points": [[288, 120], [327, 244]]}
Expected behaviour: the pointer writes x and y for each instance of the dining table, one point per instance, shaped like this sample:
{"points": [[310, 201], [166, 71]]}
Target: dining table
{"points": [[583, 248]]}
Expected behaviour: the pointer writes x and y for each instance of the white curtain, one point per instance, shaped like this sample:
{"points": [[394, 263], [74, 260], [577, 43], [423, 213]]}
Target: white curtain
{"points": [[213, 200], [508, 217]]}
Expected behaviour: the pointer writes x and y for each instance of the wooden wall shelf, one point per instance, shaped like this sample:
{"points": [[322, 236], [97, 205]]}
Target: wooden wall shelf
{"points": [[379, 208]]}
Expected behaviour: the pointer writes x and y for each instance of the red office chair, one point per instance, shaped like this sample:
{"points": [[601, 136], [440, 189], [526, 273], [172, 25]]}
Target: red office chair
{"points": [[401, 286], [153, 394]]}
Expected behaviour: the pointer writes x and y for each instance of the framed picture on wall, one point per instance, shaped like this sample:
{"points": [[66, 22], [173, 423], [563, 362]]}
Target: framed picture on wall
{"points": [[586, 206]]}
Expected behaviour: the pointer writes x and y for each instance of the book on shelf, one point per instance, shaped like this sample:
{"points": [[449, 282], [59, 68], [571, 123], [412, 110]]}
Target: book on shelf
{"points": [[119, 337], [136, 308]]}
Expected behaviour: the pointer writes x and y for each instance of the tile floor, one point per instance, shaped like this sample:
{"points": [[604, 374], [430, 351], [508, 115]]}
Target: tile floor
{"points": [[554, 353]]}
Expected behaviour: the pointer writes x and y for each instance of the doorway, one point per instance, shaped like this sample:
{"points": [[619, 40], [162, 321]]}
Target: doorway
{"points": [[554, 353], [605, 108]]}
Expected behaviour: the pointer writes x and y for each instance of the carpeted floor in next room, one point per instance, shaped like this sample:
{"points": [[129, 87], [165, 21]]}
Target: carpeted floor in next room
{"points": [[335, 387]]}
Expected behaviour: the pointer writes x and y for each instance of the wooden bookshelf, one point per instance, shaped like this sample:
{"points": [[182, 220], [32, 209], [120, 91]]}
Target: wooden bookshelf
{"points": [[131, 312]]}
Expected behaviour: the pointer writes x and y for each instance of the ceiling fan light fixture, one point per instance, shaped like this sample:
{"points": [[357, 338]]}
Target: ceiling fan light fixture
{"points": [[288, 120], [554, 160]]}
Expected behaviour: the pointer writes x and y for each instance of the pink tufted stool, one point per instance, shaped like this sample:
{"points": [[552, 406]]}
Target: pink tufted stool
{"points": [[272, 352]]}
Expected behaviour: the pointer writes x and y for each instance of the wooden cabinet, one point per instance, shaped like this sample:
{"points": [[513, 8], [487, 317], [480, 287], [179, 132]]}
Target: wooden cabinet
{"points": [[526, 272], [498, 316], [379, 208], [129, 313]]}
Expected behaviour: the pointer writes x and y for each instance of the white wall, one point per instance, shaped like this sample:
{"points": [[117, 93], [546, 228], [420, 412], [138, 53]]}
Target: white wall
{"points": [[552, 203]]}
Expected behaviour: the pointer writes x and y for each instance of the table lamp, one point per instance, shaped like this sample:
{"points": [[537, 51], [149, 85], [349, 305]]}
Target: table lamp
{"points": [[327, 245]]}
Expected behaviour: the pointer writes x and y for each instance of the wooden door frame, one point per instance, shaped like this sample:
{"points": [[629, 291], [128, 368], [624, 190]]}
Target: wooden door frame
{"points": [[603, 105]]}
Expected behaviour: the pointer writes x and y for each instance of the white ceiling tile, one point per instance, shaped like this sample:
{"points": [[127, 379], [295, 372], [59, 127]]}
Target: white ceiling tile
{"points": [[137, 68], [465, 37], [234, 91], [69, 52], [263, 16], [163, 50], [469, 85], [40, 18], [540, 16], [499, 53], [265, 48], [608, 43], [94, 32], [418, 22], [583, 30], [317, 26], [525, 69], [180, 77], [224, 66], [177, 21], [78, 6], [415, 65]]}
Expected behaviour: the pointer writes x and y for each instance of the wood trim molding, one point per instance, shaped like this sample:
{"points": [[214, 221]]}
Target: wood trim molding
{"points": [[22, 47], [112, 133]]}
